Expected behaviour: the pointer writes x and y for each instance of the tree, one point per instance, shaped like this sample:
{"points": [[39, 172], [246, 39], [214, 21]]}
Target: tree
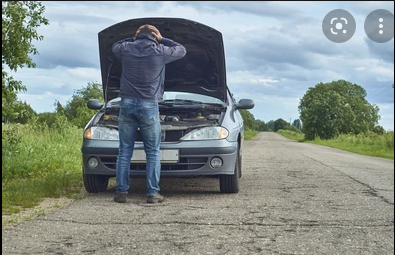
{"points": [[379, 130], [261, 125], [24, 112], [20, 19], [76, 109], [248, 119], [270, 125], [298, 124], [279, 124], [339, 107], [59, 109], [47, 118]]}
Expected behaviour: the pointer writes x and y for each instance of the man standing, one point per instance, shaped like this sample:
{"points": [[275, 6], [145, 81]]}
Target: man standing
{"points": [[143, 61]]}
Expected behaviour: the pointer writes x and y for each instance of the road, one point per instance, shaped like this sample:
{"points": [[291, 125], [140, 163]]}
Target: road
{"points": [[294, 198]]}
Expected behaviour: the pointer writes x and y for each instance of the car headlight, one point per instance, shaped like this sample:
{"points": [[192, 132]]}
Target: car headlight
{"points": [[102, 133], [206, 133]]}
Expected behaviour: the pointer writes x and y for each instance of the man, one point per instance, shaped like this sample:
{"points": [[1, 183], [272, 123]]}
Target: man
{"points": [[143, 61]]}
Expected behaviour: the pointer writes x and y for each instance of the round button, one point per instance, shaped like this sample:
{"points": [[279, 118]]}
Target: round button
{"points": [[339, 26], [379, 26]]}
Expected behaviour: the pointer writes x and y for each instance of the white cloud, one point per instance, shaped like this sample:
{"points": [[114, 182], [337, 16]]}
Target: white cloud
{"points": [[383, 74], [240, 77], [87, 74]]}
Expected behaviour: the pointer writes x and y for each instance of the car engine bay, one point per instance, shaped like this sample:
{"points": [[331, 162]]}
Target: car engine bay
{"points": [[176, 121]]}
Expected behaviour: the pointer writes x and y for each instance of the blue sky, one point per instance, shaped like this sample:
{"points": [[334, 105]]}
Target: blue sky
{"points": [[274, 51]]}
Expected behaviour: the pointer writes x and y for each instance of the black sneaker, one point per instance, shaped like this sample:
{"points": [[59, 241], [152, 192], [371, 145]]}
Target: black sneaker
{"points": [[120, 197], [155, 199]]}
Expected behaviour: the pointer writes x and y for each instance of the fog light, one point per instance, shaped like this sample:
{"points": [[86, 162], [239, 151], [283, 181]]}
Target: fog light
{"points": [[93, 162], [216, 162]]}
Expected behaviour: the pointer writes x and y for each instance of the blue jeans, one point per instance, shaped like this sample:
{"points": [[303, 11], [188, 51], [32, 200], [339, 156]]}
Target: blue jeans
{"points": [[134, 114]]}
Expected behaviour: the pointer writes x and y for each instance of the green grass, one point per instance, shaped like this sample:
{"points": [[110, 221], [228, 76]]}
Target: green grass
{"points": [[291, 135], [38, 162], [249, 134], [365, 144]]}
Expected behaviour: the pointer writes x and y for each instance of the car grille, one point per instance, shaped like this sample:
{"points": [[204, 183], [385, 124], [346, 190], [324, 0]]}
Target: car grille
{"points": [[167, 136], [185, 163]]}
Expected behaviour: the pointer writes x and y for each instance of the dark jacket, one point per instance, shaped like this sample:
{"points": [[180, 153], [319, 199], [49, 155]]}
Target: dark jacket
{"points": [[143, 65]]}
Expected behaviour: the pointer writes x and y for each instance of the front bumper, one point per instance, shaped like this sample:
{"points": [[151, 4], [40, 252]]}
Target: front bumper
{"points": [[194, 158]]}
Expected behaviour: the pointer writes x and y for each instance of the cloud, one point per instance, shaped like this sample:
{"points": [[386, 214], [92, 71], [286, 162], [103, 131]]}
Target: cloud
{"points": [[366, 7], [45, 86], [267, 9], [382, 51]]}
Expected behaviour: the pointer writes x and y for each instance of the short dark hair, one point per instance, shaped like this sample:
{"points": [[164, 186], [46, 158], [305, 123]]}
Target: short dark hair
{"points": [[146, 30]]}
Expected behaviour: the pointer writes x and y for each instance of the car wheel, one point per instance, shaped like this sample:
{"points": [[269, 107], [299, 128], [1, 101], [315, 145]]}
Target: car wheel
{"points": [[230, 183], [95, 183]]}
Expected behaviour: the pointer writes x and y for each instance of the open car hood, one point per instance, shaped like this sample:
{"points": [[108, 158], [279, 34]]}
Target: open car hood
{"points": [[201, 71]]}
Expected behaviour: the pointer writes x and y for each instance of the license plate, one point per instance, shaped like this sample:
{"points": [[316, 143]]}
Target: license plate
{"points": [[166, 156]]}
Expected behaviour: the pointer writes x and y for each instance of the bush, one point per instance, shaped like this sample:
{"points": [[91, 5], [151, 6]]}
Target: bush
{"points": [[292, 128], [34, 150]]}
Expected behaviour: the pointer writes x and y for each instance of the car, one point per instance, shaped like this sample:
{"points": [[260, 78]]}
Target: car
{"points": [[202, 128]]}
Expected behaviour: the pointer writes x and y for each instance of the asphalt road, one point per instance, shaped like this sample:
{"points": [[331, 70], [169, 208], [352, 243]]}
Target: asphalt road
{"points": [[294, 199]]}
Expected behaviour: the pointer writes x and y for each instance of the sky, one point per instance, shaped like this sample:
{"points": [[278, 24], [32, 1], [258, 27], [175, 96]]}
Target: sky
{"points": [[274, 51]]}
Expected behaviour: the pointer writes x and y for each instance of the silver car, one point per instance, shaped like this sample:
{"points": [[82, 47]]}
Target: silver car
{"points": [[202, 129]]}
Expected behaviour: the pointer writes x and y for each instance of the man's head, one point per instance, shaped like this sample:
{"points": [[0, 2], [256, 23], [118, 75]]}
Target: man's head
{"points": [[146, 30], [149, 30]]}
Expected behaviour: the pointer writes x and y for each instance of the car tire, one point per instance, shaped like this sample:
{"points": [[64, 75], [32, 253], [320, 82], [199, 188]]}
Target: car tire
{"points": [[95, 183], [230, 183]]}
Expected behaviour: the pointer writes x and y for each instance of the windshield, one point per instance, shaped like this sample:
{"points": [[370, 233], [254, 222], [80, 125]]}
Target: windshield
{"points": [[181, 96], [190, 96]]}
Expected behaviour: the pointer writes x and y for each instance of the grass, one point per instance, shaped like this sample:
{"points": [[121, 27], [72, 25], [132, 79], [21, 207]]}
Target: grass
{"points": [[365, 144], [291, 135], [249, 133], [38, 162]]}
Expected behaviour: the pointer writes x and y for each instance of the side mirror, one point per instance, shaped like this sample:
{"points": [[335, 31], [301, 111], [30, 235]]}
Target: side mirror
{"points": [[94, 104], [245, 104]]}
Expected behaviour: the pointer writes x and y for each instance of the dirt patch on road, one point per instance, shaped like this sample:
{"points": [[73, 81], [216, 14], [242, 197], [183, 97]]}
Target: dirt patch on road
{"points": [[46, 206]]}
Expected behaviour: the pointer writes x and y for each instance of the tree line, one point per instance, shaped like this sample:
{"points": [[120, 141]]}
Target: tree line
{"points": [[273, 125]]}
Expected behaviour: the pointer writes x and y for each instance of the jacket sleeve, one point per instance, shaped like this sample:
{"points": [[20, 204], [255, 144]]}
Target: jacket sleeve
{"points": [[119, 47], [172, 50]]}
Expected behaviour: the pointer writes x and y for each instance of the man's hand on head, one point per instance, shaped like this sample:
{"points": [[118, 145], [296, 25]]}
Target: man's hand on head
{"points": [[157, 36], [155, 32]]}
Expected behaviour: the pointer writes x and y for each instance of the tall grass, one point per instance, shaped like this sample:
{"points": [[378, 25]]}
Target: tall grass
{"points": [[366, 144], [291, 135], [249, 133], [39, 162], [370, 144]]}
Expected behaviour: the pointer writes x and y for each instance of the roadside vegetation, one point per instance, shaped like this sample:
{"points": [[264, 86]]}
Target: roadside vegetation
{"points": [[249, 134], [297, 136], [39, 162], [338, 115], [371, 144]]}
